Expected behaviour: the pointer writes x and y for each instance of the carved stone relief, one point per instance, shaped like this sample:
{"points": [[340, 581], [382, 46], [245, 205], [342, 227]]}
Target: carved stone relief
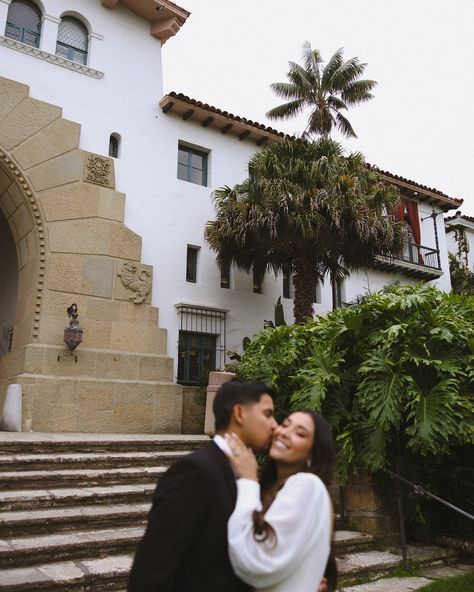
{"points": [[136, 279]]}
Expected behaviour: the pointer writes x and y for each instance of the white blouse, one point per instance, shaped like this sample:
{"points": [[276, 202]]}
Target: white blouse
{"points": [[301, 518]]}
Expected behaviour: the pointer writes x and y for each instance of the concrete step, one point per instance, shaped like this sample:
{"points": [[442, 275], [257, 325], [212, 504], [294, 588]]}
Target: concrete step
{"points": [[93, 460], [48, 443], [59, 520], [76, 477], [106, 574], [357, 563], [408, 584], [79, 544], [36, 499]]}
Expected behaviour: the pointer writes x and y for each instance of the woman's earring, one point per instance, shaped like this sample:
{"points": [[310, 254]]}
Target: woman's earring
{"points": [[308, 463]]}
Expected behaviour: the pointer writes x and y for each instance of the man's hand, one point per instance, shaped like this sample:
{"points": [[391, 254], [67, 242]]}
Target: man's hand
{"points": [[323, 586], [242, 459]]}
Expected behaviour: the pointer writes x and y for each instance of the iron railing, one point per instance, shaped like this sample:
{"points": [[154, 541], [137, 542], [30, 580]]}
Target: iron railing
{"points": [[418, 490], [420, 255]]}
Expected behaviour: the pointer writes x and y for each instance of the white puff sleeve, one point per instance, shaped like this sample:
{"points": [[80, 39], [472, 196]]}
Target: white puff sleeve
{"points": [[301, 518]]}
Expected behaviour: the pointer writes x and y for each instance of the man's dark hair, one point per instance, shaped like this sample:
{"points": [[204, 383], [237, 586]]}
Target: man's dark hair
{"points": [[237, 392]]}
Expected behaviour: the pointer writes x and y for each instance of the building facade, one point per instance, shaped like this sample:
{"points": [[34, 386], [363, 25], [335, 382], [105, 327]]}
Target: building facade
{"points": [[105, 189]]}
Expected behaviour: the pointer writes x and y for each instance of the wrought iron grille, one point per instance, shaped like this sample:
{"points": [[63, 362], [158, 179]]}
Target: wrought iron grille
{"points": [[202, 342], [72, 40], [24, 22]]}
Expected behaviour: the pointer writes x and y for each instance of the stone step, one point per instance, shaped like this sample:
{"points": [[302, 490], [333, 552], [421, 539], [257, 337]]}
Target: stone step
{"points": [[93, 460], [75, 545], [49, 443], [36, 499], [106, 574], [357, 563], [110, 573], [77, 477], [47, 521]]}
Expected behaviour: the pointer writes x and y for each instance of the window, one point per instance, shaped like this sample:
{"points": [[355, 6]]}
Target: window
{"points": [[225, 276], [191, 264], [114, 142], [7, 340], [197, 357], [24, 22], [339, 293], [287, 282], [192, 165], [257, 282], [72, 40], [201, 344]]}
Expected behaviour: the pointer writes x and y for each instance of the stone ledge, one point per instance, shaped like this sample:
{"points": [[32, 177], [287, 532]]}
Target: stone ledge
{"points": [[49, 57]]}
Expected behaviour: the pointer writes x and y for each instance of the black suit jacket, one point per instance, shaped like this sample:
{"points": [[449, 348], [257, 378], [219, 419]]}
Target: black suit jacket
{"points": [[184, 548]]}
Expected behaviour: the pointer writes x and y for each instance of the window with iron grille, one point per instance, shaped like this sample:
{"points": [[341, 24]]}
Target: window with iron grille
{"points": [[73, 39], [191, 264], [201, 344], [24, 22], [192, 165]]}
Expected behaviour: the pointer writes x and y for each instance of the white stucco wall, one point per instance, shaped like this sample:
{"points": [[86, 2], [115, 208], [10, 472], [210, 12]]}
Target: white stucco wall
{"points": [[452, 245], [166, 212]]}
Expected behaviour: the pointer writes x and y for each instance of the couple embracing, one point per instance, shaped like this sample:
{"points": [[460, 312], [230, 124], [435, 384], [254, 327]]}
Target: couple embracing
{"points": [[214, 527]]}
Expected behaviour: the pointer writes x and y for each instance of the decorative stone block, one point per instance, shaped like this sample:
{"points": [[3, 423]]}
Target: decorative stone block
{"points": [[98, 169], [133, 282]]}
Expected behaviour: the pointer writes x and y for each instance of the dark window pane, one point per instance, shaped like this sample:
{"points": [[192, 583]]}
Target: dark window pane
{"points": [[191, 264], [225, 276], [196, 161], [182, 157], [192, 165], [257, 283], [196, 176], [113, 146], [196, 357], [182, 172]]}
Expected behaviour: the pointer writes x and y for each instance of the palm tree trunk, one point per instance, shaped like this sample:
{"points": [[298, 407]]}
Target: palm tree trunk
{"points": [[304, 282]]}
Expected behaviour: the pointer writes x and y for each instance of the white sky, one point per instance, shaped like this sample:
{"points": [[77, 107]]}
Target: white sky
{"points": [[420, 125]]}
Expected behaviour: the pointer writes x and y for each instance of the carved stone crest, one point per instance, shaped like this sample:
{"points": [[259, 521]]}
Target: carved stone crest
{"points": [[139, 281], [98, 170]]}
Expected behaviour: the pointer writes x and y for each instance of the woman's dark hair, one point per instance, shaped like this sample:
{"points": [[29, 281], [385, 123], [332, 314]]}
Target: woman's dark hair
{"points": [[323, 458]]}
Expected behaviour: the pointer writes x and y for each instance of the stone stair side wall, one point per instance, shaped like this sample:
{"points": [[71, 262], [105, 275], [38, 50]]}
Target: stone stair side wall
{"points": [[67, 221]]}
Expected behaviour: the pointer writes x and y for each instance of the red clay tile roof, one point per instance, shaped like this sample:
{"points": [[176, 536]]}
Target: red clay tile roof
{"points": [[460, 215], [228, 115]]}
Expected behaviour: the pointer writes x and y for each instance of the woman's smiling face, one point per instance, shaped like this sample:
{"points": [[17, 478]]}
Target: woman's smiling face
{"points": [[293, 440]]}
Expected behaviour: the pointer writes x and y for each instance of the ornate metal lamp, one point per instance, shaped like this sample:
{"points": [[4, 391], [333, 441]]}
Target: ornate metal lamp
{"points": [[73, 333]]}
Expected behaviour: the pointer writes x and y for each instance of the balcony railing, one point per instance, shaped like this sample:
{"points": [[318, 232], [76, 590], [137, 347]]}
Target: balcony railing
{"points": [[419, 255]]}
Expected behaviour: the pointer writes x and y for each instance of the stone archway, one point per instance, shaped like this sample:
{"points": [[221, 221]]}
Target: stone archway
{"points": [[66, 219]]}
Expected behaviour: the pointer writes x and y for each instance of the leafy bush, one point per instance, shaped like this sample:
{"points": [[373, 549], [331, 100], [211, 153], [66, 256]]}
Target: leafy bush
{"points": [[394, 375]]}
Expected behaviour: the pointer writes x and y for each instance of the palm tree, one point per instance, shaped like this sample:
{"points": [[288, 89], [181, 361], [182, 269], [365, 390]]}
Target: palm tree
{"points": [[325, 91], [307, 206]]}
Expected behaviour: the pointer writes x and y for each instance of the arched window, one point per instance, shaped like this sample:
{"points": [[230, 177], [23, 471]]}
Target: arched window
{"points": [[72, 40], [114, 143], [24, 22]]}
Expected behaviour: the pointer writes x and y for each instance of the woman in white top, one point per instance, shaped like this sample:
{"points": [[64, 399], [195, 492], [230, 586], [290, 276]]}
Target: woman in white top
{"points": [[281, 529]]}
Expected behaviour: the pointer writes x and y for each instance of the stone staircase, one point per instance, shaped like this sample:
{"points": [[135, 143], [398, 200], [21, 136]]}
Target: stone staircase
{"points": [[73, 508]]}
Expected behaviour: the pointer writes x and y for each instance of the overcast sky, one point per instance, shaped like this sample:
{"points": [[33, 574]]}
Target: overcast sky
{"points": [[420, 125]]}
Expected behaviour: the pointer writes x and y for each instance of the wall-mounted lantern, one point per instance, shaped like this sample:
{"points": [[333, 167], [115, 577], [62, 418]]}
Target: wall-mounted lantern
{"points": [[73, 333]]}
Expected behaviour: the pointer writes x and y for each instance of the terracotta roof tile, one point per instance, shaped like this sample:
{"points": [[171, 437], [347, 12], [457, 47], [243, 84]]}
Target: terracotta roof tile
{"points": [[459, 215]]}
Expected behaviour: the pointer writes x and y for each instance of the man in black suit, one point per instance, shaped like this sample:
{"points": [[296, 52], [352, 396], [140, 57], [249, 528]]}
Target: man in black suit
{"points": [[184, 548]]}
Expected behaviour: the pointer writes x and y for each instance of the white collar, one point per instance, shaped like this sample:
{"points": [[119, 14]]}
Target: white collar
{"points": [[222, 444]]}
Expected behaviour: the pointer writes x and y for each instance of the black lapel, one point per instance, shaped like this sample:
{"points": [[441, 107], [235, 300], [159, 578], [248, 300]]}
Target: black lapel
{"points": [[224, 464]]}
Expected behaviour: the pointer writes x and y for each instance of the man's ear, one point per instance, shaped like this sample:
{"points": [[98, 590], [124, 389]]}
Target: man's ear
{"points": [[238, 413]]}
